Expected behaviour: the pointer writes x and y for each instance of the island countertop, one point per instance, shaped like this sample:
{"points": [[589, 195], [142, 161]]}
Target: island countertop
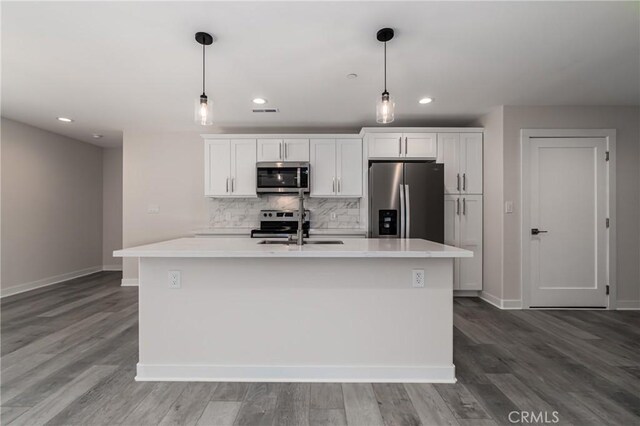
{"points": [[248, 247]]}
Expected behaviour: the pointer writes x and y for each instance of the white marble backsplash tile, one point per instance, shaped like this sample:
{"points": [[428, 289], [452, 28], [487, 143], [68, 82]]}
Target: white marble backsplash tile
{"points": [[240, 213]]}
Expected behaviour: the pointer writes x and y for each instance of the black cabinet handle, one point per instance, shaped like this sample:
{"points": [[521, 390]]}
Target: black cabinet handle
{"points": [[536, 231]]}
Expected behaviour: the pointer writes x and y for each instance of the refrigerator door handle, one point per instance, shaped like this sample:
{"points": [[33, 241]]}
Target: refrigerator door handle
{"points": [[407, 211], [402, 211]]}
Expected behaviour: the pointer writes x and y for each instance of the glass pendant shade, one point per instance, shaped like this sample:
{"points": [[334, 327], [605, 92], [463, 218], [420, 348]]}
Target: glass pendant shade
{"points": [[203, 111], [385, 109]]}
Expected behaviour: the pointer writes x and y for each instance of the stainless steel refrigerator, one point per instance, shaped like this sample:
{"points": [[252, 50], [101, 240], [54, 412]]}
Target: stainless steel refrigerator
{"points": [[406, 200]]}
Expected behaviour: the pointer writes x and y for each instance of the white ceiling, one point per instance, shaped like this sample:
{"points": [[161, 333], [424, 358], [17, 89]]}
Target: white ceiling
{"points": [[120, 65]]}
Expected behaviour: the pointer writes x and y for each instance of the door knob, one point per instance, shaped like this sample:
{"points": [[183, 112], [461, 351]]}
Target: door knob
{"points": [[536, 231]]}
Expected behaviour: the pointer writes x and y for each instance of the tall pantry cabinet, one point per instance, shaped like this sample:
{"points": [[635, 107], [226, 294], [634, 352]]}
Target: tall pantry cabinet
{"points": [[461, 154]]}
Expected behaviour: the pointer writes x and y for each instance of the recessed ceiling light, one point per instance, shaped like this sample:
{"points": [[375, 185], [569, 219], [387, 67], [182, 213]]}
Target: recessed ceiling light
{"points": [[424, 101], [352, 76], [65, 119], [259, 101], [96, 136]]}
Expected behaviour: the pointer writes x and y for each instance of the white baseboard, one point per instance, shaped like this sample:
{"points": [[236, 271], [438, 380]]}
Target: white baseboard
{"points": [[44, 282], [500, 303], [628, 305], [466, 293], [129, 282], [269, 373], [112, 267]]}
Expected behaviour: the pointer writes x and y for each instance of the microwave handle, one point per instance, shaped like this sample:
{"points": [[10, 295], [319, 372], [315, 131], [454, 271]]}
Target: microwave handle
{"points": [[299, 179]]}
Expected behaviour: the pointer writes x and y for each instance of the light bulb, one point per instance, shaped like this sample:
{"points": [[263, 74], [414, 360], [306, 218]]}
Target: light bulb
{"points": [[385, 109], [203, 111]]}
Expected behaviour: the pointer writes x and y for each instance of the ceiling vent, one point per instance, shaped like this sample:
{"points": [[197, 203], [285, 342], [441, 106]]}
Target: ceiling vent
{"points": [[265, 110]]}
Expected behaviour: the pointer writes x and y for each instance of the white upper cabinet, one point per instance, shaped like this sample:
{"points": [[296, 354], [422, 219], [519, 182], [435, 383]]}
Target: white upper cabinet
{"points": [[296, 149], [461, 154], [471, 162], [230, 168], [385, 145], [283, 149], [323, 167], [349, 167], [336, 168], [403, 145], [270, 150], [420, 145]]}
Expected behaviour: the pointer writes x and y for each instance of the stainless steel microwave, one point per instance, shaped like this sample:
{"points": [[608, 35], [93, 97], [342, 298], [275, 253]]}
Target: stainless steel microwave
{"points": [[282, 177]]}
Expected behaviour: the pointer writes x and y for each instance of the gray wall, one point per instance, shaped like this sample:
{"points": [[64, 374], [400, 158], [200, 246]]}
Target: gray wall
{"points": [[493, 201], [626, 122], [51, 206], [111, 206]]}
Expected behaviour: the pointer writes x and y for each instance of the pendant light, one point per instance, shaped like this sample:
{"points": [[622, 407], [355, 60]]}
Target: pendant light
{"points": [[203, 107], [385, 106]]}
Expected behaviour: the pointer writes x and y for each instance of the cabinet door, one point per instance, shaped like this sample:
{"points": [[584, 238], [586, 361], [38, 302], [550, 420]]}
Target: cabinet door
{"points": [[385, 145], [323, 167], [420, 145], [296, 149], [349, 167], [452, 230], [243, 168], [471, 239], [471, 163], [270, 150], [449, 155], [217, 168]]}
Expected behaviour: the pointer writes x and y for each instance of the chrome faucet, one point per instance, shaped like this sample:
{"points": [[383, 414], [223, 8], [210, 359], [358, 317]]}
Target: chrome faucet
{"points": [[300, 231]]}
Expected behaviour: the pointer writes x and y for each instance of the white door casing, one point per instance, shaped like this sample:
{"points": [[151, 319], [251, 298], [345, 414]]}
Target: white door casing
{"points": [[567, 197]]}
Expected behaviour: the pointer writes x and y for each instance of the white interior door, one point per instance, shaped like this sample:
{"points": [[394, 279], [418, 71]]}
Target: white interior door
{"points": [[568, 205]]}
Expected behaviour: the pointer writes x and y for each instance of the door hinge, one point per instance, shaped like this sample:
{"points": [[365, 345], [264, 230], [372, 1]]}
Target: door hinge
{"points": [[606, 156], [607, 221], [607, 290]]}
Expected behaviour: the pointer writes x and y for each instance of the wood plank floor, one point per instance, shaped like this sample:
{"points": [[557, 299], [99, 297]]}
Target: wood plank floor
{"points": [[69, 353]]}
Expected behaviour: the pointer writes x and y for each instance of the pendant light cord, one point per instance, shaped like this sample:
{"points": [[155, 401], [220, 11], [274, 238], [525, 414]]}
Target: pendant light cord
{"points": [[385, 66], [203, 62]]}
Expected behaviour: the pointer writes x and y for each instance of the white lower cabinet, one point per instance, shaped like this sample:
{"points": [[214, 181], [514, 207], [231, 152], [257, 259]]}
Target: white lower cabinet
{"points": [[336, 167], [463, 228], [230, 168]]}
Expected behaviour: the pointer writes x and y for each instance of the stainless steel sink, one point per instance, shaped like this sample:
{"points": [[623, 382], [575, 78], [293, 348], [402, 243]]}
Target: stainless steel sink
{"points": [[287, 242]]}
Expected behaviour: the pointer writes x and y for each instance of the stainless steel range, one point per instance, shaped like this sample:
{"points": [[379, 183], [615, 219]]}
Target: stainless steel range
{"points": [[280, 224]]}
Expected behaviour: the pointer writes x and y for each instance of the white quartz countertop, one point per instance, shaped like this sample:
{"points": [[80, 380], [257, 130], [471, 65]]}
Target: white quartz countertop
{"points": [[247, 247], [312, 231]]}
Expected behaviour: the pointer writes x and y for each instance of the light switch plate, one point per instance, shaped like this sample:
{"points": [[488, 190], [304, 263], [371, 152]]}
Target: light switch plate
{"points": [[508, 207]]}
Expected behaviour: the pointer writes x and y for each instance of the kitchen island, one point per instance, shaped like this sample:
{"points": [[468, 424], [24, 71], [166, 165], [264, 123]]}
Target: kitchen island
{"points": [[244, 311]]}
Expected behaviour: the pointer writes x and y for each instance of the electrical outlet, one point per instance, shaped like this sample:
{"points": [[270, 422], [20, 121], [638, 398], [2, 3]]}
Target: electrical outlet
{"points": [[334, 216], [153, 209], [175, 280], [418, 277]]}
